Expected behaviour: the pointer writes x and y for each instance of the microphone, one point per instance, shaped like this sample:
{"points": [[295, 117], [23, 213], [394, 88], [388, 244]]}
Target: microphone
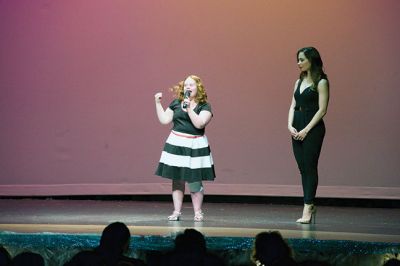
{"points": [[187, 95]]}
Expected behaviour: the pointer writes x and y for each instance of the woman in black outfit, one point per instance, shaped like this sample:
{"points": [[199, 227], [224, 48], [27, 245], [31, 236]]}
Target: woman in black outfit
{"points": [[305, 124]]}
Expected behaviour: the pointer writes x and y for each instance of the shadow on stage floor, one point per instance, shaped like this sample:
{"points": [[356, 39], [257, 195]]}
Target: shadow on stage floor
{"points": [[372, 233]]}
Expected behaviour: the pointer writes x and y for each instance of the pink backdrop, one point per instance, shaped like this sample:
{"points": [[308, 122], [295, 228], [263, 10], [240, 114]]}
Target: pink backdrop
{"points": [[78, 77]]}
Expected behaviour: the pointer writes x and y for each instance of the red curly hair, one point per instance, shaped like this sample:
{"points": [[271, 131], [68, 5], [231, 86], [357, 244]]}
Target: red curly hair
{"points": [[201, 96]]}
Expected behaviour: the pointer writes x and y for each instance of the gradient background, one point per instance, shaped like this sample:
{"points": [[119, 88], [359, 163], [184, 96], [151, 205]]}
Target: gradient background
{"points": [[77, 80]]}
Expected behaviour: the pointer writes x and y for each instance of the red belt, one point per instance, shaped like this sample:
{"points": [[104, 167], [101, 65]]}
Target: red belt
{"points": [[187, 136]]}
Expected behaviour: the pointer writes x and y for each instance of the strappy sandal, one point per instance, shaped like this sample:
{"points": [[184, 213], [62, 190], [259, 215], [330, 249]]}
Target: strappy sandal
{"points": [[198, 216], [175, 216]]}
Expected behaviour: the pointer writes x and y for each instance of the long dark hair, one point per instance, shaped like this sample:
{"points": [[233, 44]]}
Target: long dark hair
{"points": [[114, 239], [270, 248], [317, 66]]}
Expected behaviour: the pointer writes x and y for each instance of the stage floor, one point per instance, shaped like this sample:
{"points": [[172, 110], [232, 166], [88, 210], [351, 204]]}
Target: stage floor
{"points": [[221, 219]]}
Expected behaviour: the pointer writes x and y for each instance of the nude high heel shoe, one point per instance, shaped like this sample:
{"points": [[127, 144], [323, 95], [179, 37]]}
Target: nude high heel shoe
{"points": [[309, 214]]}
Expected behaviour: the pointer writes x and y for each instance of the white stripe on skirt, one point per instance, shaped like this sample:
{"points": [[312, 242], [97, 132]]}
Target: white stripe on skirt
{"points": [[187, 161]]}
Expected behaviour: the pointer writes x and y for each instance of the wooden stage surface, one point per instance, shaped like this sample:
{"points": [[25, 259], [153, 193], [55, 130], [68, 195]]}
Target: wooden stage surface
{"points": [[221, 219]]}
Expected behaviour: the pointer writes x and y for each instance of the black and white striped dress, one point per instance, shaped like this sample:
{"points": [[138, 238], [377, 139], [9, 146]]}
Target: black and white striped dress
{"points": [[186, 154]]}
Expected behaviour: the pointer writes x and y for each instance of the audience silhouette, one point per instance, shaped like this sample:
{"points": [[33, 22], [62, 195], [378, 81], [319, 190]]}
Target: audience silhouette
{"points": [[5, 258], [190, 249], [314, 263], [392, 262], [270, 249], [28, 259], [114, 242], [86, 258]]}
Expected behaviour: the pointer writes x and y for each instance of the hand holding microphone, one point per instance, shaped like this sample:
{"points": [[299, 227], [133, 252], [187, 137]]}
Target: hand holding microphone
{"points": [[157, 97], [186, 97]]}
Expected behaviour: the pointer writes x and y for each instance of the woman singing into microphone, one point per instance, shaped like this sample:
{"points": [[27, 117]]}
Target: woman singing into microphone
{"points": [[186, 156]]}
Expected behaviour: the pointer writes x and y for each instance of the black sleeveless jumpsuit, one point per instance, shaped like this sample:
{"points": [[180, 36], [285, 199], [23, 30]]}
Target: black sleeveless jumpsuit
{"points": [[307, 151]]}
